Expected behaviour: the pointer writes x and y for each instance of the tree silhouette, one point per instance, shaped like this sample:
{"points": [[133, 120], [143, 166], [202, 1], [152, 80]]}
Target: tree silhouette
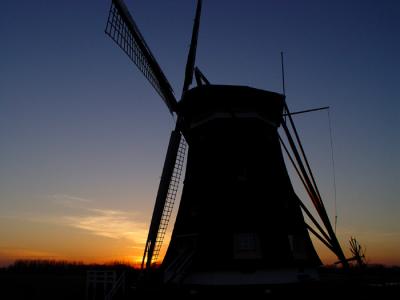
{"points": [[358, 252]]}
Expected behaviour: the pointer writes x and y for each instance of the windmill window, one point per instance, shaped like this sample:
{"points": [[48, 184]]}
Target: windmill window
{"points": [[247, 242], [242, 174], [247, 246], [298, 247]]}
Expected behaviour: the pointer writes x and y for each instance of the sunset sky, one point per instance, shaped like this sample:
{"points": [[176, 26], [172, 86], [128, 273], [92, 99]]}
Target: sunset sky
{"points": [[83, 135]]}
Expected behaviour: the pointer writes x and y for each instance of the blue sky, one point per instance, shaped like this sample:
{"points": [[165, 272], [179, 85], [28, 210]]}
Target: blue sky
{"points": [[83, 135]]}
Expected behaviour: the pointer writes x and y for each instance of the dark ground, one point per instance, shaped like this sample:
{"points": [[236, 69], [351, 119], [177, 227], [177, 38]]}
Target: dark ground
{"points": [[55, 280]]}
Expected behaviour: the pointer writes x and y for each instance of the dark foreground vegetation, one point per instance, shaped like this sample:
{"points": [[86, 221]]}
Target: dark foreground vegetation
{"points": [[66, 280], [46, 279]]}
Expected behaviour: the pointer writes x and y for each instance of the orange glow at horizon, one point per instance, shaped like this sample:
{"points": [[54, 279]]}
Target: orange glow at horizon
{"points": [[87, 248], [106, 236]]}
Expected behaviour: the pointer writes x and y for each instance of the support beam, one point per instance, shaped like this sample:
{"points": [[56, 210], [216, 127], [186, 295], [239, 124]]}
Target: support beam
{"points": [[305, 111]]}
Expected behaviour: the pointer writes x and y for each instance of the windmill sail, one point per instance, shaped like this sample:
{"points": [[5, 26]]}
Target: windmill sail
{"points": [[309, 183], [192, 51], [123, 30], [166, 195]]}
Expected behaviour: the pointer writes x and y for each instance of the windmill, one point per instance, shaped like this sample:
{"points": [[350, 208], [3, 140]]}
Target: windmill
{"points": [[239, 219]]}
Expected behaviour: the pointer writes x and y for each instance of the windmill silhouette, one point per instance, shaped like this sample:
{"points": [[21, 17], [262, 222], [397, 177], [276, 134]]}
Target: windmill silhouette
{"points": [[239, 219]]}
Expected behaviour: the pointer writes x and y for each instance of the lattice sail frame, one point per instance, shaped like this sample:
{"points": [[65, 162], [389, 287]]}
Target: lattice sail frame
{"points": [[123, 30], [173, 189]]}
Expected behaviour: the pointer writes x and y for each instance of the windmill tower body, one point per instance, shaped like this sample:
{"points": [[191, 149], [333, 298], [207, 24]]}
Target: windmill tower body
{"points": [[239, 218]]}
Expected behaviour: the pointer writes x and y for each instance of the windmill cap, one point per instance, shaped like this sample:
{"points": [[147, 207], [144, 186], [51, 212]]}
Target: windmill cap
{"points": [[206, 99]]}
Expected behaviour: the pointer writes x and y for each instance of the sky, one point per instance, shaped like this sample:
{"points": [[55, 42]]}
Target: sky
{"points": [[83, 135]]}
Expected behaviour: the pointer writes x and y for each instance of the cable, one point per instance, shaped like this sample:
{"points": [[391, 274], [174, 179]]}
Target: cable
{"points": [[333, 167]]}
